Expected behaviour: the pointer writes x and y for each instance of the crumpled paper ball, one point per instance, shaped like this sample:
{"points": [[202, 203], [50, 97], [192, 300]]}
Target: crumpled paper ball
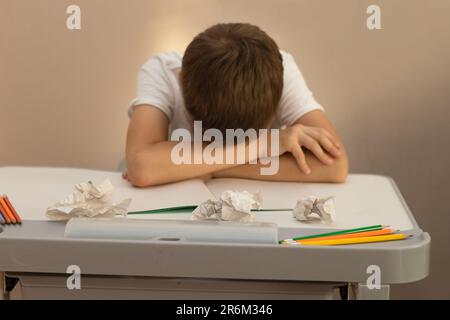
{"points": [[88, 200], [232, 206], [308, 209]]}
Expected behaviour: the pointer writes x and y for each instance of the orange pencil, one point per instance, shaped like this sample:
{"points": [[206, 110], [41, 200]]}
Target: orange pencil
{"points": [[6, 211], [352, 235], [14, 212]]}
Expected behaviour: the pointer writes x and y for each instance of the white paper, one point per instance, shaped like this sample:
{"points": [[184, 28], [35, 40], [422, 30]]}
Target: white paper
{"points": [[210, 209], [313, 208], [179, 194], [232, 206], [88, 200]]}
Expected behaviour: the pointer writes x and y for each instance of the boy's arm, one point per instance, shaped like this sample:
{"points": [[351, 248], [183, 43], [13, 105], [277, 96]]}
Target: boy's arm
{"points": [[148, 152], [289, 167]]}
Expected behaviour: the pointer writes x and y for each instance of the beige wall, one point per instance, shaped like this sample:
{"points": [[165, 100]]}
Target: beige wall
{"points": [[63, 95]]}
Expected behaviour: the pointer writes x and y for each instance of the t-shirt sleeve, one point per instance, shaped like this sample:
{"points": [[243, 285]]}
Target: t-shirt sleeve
{"points": [[153, 87], [296, 99]]}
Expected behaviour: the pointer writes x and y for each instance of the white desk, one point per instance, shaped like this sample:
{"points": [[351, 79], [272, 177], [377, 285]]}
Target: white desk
{"points": [[38, 253]]}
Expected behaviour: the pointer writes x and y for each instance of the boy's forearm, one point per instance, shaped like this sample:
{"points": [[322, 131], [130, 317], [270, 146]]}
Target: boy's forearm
{"points": [[289, 170], [155, 165]]}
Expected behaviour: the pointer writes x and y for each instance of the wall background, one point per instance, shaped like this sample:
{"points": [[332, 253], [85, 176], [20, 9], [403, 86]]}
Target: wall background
{"points": [[64, 94]]}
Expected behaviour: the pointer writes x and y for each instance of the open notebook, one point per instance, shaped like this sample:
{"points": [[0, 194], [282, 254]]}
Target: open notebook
{"points": [[364, 200], [187, 195]]}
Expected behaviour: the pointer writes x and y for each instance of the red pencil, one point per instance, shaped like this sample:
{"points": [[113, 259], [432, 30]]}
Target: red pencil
{"points": [[6, 210], [14, 212]]}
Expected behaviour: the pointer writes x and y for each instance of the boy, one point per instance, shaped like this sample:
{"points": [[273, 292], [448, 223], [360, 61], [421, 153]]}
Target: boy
{"points": [[231, 76]]}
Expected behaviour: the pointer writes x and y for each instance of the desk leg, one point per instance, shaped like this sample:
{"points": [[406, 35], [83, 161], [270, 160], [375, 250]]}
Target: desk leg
{"points": [[360, 291], [2, 286]]}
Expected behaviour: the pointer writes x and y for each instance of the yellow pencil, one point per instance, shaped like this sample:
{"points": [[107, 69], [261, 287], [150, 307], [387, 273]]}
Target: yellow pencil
{"points": [[374, 233], [335, 242]]}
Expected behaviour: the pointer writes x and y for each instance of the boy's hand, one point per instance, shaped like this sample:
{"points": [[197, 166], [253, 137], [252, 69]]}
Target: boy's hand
{"points": [[319, 141]]}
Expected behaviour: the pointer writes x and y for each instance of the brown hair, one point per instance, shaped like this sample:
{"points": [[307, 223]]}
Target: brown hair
{"points": [[232, 77]]}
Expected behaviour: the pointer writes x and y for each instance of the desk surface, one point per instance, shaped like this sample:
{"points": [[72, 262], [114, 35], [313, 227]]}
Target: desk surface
{"points": [[362, 200]]}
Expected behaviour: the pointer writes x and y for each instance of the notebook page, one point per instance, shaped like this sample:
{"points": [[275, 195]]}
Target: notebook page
{"points": [[180, 194]]}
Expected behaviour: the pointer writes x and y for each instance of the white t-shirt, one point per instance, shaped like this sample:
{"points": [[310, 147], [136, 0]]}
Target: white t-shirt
{"points": [[159, 86]]}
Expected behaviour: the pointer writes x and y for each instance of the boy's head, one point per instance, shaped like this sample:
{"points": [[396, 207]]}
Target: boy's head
{"points": [[232, 77]]}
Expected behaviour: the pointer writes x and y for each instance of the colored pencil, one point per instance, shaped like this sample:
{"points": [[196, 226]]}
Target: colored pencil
{"points": [[334, 233], [13, 210], [335, 242], [4, 215], [352, 235], [2, 220], [187, 209], [6, 210]]}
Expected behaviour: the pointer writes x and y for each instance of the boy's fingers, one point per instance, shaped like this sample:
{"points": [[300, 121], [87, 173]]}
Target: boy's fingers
{"points": [[330, 147], [317, 150], [301, 159], [333, 139], [326, 142], [318, 132]]}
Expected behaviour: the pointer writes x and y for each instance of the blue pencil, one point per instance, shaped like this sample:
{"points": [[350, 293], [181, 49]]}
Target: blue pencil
{"points": [[2, 220]]}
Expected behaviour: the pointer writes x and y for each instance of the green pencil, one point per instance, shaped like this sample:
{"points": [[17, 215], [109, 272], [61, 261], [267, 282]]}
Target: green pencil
{"points": [[361, 229], [186, 209], [171, 210]]}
